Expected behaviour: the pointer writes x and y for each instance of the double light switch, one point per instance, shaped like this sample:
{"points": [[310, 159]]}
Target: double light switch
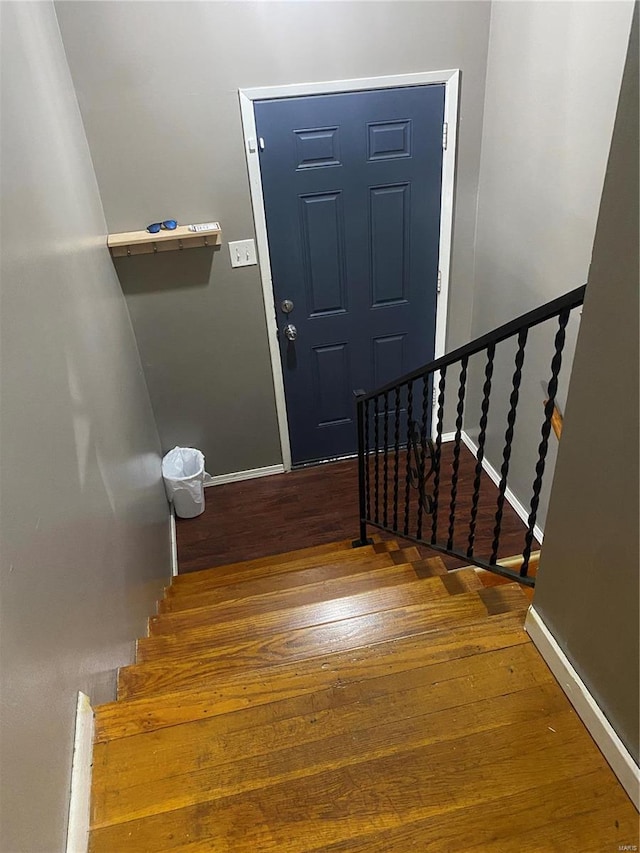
{"points": [[243, 253]]}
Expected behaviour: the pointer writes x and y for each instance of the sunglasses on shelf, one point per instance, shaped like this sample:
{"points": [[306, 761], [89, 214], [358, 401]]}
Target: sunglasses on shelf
{"points": [[168, 225]]}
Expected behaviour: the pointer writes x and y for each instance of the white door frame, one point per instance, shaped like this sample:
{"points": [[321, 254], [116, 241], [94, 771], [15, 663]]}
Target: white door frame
{"points": [[451, 81]]}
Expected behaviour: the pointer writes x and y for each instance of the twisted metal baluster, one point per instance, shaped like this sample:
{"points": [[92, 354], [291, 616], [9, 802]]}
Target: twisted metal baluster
{"points": [[456, 450], [508, 438], [438, 456], [366, 451], [556, 364], [396, 463], [362, 500], [385, 496], [376, 482], [407, 492], [486, 389], [423, 445]]}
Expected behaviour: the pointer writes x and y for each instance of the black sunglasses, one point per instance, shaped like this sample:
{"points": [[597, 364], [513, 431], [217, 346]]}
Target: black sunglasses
{"points": [[169, 225]]}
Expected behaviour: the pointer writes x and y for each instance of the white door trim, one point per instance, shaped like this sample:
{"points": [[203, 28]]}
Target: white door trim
{"points": [[451, 81]]}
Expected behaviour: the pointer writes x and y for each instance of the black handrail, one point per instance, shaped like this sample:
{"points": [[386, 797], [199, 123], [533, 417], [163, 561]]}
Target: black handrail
{"points": [[410, 444], [532, 318]]}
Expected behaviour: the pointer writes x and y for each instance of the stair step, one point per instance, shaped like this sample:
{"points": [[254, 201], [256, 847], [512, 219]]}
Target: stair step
{"points": [[292, 738], [288, 580], [381, 545], [333, 566], [338, 801], [202, 639], [216, 578], [189, 578], [379, 576], [301, 554], [503, 599], [461, 580], [302, 643], [429, 567], [511, 826], [235, 691]]}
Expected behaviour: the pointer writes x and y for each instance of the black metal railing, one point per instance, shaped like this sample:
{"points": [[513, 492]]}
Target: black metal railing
{"points": [[405, 487]]}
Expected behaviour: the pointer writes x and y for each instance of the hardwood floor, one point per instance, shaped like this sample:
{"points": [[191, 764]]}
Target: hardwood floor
{"points": [[317, 505], [295, 694], [338, 700]]}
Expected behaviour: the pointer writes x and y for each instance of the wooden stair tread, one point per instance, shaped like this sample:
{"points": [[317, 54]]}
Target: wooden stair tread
{"points": [[435, 685], [335, 567], [176, 596], [232, 692], [500, 599], [297, 644], [489, 579], [429, 567], [189, 641], [461, 580], [308, 556], [589, 803], [223, 756], [190, 578], [380, 575], [333, 800]]}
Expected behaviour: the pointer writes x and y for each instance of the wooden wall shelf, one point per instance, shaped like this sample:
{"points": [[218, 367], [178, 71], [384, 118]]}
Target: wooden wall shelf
{"points": [[131, 243]]}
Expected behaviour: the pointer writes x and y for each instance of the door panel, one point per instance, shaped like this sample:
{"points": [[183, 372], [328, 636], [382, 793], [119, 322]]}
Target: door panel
{"points": [[323, 250], [389, 360], [389, 139], [352, 186], [331, 384], [389, 226]]}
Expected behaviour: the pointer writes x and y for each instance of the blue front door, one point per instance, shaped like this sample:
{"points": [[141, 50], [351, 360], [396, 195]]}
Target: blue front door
{"points": [[351, 186]]}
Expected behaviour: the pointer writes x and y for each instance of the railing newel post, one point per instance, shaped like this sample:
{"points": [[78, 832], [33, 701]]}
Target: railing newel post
{"points": [[396, 459], [362, 498], [385, 473]]}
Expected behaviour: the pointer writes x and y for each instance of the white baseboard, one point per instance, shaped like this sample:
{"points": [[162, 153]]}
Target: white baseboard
{"points": [[448, 436], [237, 476], [510, 497], [80, 798], [601, 730], [173, 541]]}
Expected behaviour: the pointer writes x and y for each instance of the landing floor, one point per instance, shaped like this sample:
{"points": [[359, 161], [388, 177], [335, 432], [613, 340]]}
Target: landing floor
{"points": [[312, 506]]}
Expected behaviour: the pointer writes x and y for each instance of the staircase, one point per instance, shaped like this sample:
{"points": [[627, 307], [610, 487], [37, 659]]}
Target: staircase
{"points": [[340, 699]]}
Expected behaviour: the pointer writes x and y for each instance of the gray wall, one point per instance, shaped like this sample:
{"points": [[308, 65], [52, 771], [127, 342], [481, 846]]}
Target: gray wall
{"points": [[84, 528], [158, 94], [553, 77], [587, 590]]}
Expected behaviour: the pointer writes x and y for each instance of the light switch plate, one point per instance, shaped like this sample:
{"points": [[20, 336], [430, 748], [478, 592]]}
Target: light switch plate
{"points": [[243, 253]]}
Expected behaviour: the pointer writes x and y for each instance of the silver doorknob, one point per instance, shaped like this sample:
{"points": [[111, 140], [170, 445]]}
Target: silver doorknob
{"points": [[290, 332]]}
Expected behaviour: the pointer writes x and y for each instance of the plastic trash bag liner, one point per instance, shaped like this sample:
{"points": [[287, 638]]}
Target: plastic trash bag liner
{"points": [[184, 478]]}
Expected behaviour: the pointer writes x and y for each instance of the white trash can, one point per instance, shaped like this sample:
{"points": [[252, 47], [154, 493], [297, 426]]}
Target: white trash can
{"points": [[183, 474]]}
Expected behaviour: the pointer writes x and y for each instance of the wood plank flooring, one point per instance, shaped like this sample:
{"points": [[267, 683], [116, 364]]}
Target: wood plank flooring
{"points": [[304, 703], [318, 505]]}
